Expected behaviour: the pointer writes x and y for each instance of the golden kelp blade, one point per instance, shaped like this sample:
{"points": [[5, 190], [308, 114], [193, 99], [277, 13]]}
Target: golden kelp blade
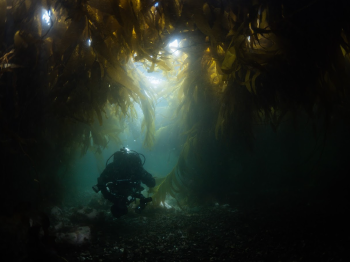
{"points": [[73, 33], [230, 58], [240, 60], [120, 76]]}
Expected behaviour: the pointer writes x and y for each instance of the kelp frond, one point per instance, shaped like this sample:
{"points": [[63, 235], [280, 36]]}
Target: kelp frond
{"points": [[174, 183], [240, 62]]}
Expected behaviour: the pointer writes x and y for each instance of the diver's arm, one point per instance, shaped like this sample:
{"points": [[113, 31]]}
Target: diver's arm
{"points": [[105, 177], [147, 179]]}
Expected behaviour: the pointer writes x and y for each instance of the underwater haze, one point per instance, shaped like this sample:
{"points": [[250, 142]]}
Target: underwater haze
{"points": [[170, 130]]}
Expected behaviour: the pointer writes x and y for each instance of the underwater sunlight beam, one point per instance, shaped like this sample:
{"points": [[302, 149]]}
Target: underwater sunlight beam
{"points": [[174, 46], [47, 16]]}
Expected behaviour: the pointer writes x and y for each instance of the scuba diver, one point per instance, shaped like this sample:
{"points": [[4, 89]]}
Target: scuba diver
{"points": [[120, 182]]}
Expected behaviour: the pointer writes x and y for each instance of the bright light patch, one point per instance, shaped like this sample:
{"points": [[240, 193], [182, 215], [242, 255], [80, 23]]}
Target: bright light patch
{"points": [[248, 38], [47, 17], [165, 205], [155, 81], [147, 95], [156, 4], [89, 42], [174, 46]]}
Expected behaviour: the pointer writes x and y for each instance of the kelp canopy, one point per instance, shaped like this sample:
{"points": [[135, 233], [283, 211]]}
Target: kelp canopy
{"points": [[68, 79]]}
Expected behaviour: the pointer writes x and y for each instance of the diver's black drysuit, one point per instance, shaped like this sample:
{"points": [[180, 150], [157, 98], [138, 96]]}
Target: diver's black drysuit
{"points": [[120, 182]]}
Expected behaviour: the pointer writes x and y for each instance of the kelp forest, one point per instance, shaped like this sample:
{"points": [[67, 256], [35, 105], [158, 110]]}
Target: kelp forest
{"points": [[239, 109]]}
